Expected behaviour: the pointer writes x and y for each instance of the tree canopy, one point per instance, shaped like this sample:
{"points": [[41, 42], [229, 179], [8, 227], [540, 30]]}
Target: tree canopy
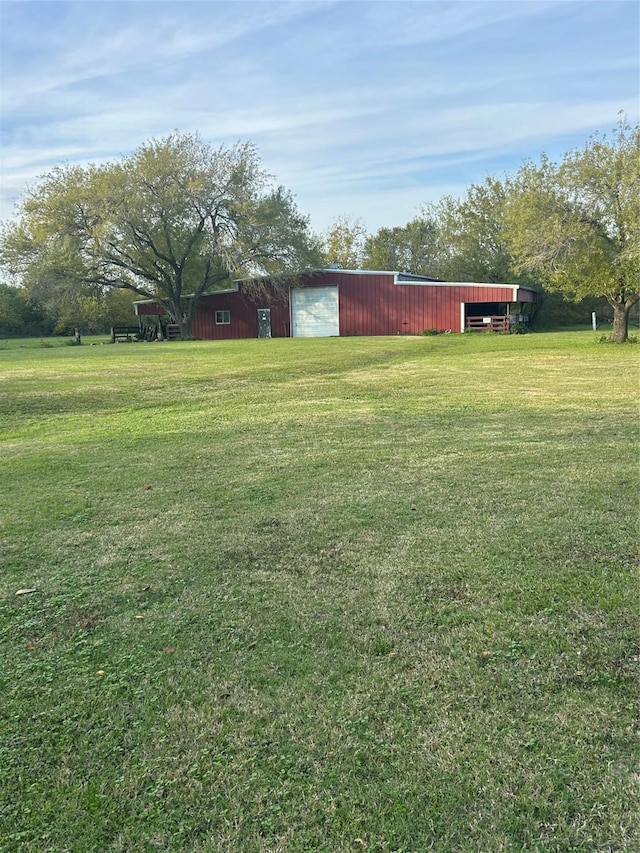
{"points": [[471, 234], [577, 223], [344, 242], [177, 219], [170, 222], [413, 247]]}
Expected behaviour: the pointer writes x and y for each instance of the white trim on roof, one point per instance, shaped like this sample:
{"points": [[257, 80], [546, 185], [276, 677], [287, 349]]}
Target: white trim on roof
{"points": [[234, 289], [431, 283]]}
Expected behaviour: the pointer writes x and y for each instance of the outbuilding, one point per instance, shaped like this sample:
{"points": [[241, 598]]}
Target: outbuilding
{"points": [[333, 302]]}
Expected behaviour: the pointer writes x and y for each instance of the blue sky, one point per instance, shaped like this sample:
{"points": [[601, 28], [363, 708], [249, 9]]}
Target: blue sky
{"points": [[367, 109]]}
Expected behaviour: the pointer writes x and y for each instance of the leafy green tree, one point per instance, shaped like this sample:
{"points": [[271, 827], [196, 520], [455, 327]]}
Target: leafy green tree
{"points": [[413, 247], [472, 234], [344, 241], [578, 223], [93, 313], [170, 222], [18, 314]]}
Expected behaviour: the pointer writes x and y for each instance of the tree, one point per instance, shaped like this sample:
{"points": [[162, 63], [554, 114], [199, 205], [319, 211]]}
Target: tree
{"points": [[413, 247], [170, 222], [93, 313], [578, 223], [19, 316], [472, 234], [454, 239], [344, 243]]}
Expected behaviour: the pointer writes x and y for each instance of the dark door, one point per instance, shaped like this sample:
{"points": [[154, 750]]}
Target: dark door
{"points": [[264, 322]]}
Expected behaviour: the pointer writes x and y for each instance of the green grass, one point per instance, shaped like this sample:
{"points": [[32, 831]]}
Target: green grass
{"points": [[320, 595]]}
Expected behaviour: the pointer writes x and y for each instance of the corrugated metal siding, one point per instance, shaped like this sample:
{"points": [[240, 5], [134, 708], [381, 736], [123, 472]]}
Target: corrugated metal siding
{"points": [[525, 295], [369, 304], [243, 310], [365, 305], [375, 305], [148, 309]]}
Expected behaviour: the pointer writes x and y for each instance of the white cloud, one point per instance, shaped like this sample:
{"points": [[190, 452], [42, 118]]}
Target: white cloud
{"points": [[379, 104]]}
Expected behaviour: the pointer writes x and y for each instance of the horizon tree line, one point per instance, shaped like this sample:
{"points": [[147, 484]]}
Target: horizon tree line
{"points": [[179, 218]]}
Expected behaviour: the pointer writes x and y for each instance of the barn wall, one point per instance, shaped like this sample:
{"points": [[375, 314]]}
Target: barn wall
{"points": [[244, 316], [525, 295], [147, 309], [372, 304], [369, 304]]}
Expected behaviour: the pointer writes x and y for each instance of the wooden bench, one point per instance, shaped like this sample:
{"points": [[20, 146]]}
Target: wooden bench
{"points": [[124, 333]]}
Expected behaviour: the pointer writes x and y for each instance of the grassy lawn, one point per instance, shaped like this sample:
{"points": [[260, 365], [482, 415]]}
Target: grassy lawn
{"points": [[320, 595]]}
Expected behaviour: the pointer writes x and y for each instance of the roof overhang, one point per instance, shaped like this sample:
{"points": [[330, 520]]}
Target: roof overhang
{"points": [[233, 289]]}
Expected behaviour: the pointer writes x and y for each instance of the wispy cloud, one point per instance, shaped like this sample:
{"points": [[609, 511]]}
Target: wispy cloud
{"points": [[379, 104]]}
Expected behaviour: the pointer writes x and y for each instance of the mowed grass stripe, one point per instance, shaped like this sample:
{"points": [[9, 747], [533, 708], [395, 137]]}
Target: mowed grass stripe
{"points": [[292, 594]]}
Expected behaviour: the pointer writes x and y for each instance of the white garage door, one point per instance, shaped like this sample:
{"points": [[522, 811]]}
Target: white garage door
{"points": [[314, 312]]}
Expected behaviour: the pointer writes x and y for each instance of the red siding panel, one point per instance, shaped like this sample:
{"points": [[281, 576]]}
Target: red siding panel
{"points": [[148, 309], [243, 311], [370, 303]]}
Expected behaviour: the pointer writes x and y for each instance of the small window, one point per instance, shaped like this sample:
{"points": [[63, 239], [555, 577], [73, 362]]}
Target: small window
{"points": [[223, 318]]}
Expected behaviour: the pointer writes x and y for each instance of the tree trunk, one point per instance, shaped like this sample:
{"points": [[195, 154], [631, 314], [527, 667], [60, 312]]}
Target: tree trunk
{"points": [[179, 318], [185, 327], [620, 322]]}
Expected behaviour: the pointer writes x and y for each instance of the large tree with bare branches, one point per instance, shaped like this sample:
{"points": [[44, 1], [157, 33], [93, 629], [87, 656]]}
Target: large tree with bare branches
{"points": [[170, 222]]}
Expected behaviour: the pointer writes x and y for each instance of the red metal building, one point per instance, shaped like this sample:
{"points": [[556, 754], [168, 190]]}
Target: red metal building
{"points": [[355, 302]]}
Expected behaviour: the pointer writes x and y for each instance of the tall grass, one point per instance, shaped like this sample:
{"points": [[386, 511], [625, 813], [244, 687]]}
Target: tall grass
{"points": [[320, 595]]}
